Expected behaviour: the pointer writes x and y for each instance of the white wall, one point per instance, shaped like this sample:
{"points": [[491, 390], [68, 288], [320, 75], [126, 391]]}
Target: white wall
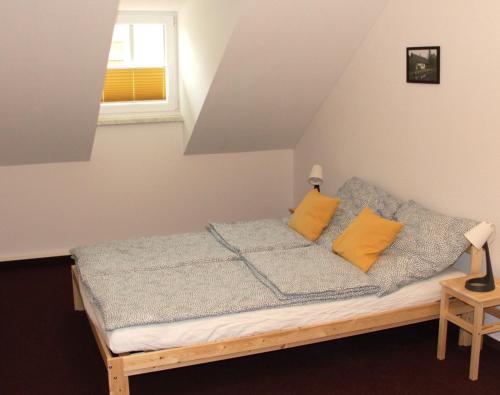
{"points": [[437, 144], [137, 183], [204, 30]]}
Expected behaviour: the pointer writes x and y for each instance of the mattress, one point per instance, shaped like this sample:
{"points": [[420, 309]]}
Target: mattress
{"points": [[190, 332]]}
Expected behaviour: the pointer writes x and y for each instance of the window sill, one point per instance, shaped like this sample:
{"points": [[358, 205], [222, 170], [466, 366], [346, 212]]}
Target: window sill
{"points": [[137, 118]]}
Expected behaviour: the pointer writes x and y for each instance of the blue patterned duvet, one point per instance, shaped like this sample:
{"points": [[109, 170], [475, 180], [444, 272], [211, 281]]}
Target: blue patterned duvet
{"points": [[232, 268]]}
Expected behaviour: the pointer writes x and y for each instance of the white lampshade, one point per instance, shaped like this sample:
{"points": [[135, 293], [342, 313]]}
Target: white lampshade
{"points": [[480, 234], [316, 176]]}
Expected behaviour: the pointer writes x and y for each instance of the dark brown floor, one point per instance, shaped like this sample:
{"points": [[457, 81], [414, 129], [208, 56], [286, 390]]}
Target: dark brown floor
{"points": [[47, 348]]}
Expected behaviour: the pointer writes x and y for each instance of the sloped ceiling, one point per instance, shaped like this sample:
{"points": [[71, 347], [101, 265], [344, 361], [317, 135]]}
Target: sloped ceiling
{"points": [[253, 75], [53, 60], [151, 5], [279, 64]]}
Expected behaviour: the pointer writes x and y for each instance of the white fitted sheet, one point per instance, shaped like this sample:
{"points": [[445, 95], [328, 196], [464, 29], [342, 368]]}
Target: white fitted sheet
{"points": [[184, 333]]}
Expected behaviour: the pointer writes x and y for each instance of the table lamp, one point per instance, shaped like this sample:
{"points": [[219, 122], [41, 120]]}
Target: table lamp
{"points": [[316, 176], [479, 236]]}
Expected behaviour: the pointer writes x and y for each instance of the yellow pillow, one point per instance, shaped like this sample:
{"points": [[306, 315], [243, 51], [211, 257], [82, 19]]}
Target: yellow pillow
{"points": [[313, 214], [366, 238]]}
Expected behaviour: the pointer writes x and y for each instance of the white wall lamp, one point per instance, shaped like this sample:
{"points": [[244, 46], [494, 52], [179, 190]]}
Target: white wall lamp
{"points": [[316, 177], [479, 237]]}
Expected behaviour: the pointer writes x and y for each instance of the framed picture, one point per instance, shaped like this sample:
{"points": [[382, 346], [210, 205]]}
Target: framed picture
{"points": [[422, 65]]}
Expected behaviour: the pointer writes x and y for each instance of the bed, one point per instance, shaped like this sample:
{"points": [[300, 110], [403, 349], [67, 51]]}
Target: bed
{"points": [[302, 312], [122, 365]]}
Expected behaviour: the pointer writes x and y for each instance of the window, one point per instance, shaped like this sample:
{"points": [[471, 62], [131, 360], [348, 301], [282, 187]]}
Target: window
{"points": [[141, 75]]}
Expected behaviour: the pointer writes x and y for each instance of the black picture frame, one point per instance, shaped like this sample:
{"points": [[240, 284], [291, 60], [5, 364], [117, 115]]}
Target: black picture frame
{"points": [[423, 65]]}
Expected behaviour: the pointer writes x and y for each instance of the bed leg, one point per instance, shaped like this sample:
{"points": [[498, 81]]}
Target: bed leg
{"points": [[118, 382], [77, 297], [464, 337]]}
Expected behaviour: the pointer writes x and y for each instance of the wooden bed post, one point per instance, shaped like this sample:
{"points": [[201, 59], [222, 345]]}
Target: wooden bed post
{"points": [[476, 260], [118, 382], [77, 297]]}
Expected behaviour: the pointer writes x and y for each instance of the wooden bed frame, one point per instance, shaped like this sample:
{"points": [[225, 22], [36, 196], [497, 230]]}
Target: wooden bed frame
{"points": [[121, 366]]}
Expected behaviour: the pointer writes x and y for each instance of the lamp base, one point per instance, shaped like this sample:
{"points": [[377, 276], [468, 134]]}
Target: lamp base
{"points": [[481, 284], [485, 283]]}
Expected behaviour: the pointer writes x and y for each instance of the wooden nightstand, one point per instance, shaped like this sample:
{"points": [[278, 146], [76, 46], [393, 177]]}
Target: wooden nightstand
{"points": [[480, 302]]}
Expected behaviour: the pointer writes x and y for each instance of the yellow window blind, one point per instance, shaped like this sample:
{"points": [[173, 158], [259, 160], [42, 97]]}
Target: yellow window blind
{"points": [[134, 84]]}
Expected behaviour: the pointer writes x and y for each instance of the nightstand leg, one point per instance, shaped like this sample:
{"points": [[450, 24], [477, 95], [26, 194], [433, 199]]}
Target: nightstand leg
{"points": [[476, 342], [443, 325]]}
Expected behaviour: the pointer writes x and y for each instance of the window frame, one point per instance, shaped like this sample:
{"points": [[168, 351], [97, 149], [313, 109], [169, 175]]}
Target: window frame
{"points": [[150, 108]]}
